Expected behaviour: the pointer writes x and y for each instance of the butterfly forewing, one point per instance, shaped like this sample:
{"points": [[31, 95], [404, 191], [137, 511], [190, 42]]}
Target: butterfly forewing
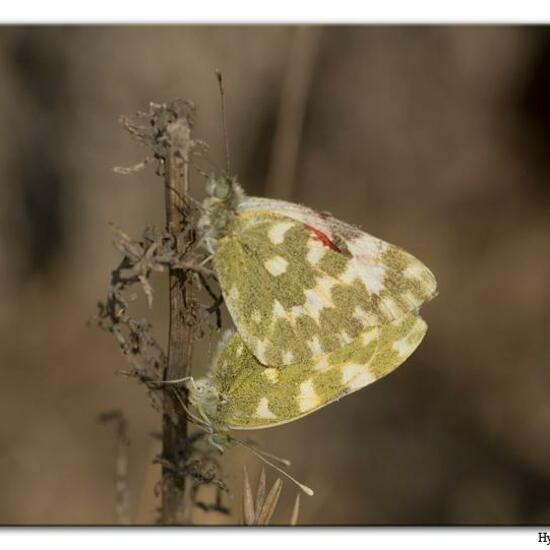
{"points": [[253, 396], [299, 285]]}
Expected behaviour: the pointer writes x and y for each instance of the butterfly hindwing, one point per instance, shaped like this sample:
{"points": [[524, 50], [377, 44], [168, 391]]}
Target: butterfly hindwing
{"points": [[253, 396], [299, 285]]}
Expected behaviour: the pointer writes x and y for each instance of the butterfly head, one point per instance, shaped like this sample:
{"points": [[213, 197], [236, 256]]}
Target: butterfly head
{"points": [[205, 402], [224, 194], [204, 398]]}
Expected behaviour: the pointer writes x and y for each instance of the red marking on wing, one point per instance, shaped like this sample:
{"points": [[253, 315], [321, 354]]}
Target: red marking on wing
{"points": [[322, 238]]}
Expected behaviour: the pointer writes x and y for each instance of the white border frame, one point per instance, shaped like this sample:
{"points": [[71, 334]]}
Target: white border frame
{"points": [[275, 12]]}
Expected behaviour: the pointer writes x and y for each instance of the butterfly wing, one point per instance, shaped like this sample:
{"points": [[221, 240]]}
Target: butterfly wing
{"points": [[253, 396], [299, 285]]}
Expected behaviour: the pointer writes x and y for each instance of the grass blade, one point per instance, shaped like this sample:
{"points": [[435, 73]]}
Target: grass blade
{"points": [[260, 495], [295, 511], [248, 501], [270, 503]]}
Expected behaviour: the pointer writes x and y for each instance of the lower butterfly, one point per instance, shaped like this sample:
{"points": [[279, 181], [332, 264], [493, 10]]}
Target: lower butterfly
{"points": [[240, 393]]}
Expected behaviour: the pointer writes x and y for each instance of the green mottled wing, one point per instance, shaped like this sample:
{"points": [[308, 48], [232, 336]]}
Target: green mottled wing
{"points": [[253, 396], [299, 288]]}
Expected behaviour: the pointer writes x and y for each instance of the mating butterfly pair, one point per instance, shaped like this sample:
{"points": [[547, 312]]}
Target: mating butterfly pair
{"points": [[321, 309]]}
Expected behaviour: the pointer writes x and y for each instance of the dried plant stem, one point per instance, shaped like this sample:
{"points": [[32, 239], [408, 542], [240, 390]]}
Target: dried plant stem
{"points": [[180, 332], [166, 130], [294, 95]]}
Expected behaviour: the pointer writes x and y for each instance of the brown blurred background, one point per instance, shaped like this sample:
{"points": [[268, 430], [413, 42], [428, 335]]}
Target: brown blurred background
{"points": [[434, 138]]}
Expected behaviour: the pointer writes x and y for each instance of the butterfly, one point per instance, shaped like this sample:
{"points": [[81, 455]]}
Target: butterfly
{"points": [[299, 284]]}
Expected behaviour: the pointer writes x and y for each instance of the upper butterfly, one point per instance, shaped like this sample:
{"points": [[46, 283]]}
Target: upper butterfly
{"points": [[299, 284]]}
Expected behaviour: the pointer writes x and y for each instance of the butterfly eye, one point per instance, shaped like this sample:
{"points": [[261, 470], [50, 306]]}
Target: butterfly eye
{"points": [[218, 188], [223, 189]]}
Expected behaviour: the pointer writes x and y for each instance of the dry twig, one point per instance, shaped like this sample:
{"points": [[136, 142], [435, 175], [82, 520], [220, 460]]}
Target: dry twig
{"points": [[166, 130]]}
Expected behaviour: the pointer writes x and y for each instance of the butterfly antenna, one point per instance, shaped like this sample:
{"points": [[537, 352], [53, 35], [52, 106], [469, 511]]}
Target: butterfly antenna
{"points": [[276, 458], [210, 162], [303, 487], [225, 138], [177, 381]]}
